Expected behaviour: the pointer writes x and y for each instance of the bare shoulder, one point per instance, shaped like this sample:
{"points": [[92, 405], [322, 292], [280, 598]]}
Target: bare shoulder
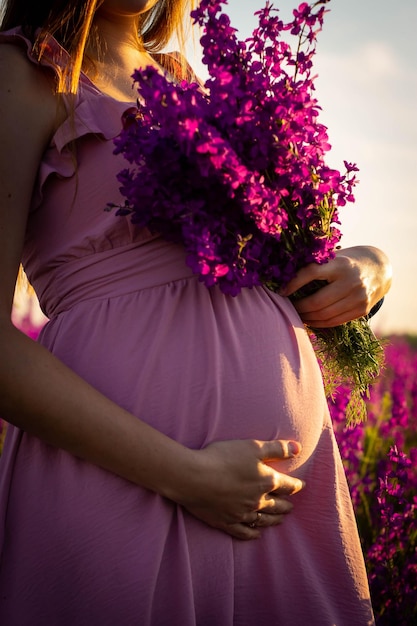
{"points": [[27, 92], [28, 118]]}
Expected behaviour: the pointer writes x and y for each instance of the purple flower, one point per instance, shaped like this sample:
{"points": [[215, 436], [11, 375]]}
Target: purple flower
{"points": [[236, 172], [239, 177], [380, 462]]}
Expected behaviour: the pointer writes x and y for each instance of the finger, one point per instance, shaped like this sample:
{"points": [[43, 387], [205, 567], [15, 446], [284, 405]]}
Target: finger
{"points": [[329, 322], [285, 485], [331, 312], [305, 275], [242, 531], [252, 519], [277, 506], [334, 315], [278, 449], [334, 304], [265, 520], [327, 296], [333, 299]]}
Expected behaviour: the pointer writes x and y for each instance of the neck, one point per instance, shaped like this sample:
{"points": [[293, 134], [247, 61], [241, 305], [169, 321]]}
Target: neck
{"points": [[117, 52], [117, 41]]}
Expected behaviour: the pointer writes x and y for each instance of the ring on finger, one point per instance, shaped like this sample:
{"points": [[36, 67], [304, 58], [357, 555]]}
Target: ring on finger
{"points": [[256, 521]]}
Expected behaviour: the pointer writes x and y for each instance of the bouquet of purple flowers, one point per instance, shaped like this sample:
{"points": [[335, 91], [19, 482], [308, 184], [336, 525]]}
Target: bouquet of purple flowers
{"points": [[235, 171]]}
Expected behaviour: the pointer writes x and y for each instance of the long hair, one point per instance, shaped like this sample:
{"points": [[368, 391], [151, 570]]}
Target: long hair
{"points": [[70, 22]]}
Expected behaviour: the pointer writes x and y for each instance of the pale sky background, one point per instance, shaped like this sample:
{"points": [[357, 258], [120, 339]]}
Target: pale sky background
{"points": [[367, 87]]}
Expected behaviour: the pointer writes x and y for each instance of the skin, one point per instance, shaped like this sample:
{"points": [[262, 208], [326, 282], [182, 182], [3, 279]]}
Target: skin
{"points": [[224, 484], [357, 279], [117, 23]]}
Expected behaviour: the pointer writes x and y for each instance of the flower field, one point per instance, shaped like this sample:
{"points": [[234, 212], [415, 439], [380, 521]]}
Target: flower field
{"points": [[380, 459]]}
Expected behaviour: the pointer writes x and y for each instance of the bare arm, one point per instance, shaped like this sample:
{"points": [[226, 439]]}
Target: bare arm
{"points": [[357, 279], [224, 483]]}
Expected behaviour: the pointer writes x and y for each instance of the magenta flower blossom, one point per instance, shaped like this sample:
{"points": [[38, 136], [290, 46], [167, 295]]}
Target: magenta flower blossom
{"points": [[236, 171], [244, 185], [380, 459]]}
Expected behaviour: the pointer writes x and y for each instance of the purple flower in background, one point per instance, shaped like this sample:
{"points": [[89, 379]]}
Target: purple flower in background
{"points": [[380, 461]]}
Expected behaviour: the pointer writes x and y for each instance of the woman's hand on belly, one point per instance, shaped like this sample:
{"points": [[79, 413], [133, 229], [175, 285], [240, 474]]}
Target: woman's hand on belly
{"points": [[233, 489]]}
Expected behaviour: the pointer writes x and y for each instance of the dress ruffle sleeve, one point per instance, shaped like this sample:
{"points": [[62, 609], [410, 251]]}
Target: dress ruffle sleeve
{"points": [[89, 112]]}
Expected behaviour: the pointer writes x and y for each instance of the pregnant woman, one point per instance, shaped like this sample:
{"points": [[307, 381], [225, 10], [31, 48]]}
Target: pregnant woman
{"points": [[170, 457]]}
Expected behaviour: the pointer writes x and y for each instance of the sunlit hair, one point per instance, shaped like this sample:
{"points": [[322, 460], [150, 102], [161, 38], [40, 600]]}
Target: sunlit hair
{"points": [[71, 22]]}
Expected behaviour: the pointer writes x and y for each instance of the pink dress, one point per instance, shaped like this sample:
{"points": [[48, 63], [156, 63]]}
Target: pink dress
{"points": [[83, 547]]}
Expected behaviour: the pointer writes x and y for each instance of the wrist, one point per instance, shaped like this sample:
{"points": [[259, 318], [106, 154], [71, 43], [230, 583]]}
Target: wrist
{"points": [[180, 476]]}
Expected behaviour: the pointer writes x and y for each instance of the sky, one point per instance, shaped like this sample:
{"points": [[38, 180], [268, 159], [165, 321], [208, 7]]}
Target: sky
{"points": [[366, 63]]}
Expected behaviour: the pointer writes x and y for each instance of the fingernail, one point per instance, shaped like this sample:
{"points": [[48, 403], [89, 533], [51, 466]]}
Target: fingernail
{"points": [[294, 447]]}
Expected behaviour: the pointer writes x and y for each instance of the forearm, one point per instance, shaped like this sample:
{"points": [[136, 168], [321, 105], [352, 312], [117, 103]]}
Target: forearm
{"points": [[43, 397]]}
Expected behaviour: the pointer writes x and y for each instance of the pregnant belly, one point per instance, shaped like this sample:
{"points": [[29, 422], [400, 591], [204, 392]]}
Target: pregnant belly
{"points": [[197, 365]]}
